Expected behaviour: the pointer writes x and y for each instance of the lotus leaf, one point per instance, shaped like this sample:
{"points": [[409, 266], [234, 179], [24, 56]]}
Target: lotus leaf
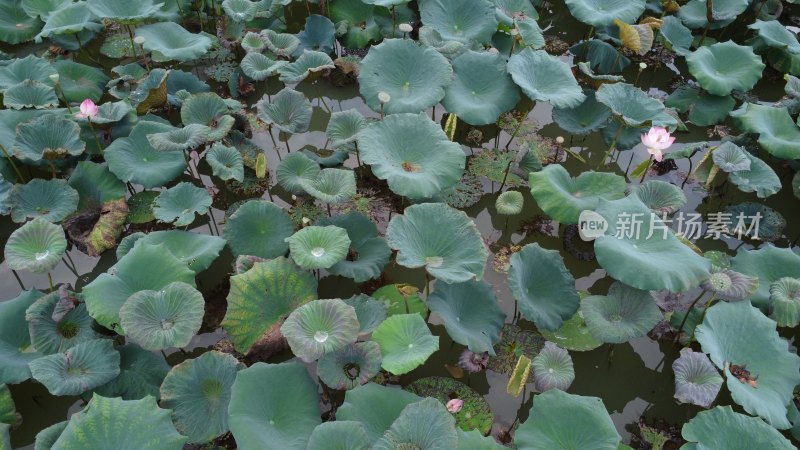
{"points": [[759, 178], [320, 327], [350, 366], [145, 268], [563, 198], [775, 35], [470, 313], [15, 25], [49, 335], [675, 36], [509, 203], [359, 18], [737, 333], [559, 420], [657, 262], [241, 10], [730, 285], [259, 218], [123, 12], [36, 246], [424, 424], [52, 200], [282, 44], [625, 313], [260, 297], [429, 37], [78, 369], [226, 162], [339, 435], [180, 203], [331, 185], [629, 103], [481, 88], [29, 68], [68, 18], [722, 428], [768, 264], [110, 112], [413, 154], [777, 132], [661, 197], [309, 63], [318, 34], [371, 252], [48, 436], [95, 185], [253, 43], [602, 13], [442, 239], [584, 118], [30, 94], [117, 423], [704, 109], [406, 342], [375, 406], [344, 127], [545, 78], [15, 341], [460, 20], [415, 77], [179, 139], [196, 250], [151, 92], [370, 312], [259, 67], [198, 392], [141, 374], [289, 111], [8, 414], [157, 320], [140, 207], [731, 158], [210, 110], [475, 413], [295, 169], [785, 299], [573, 334], [133, 159], [694, 13], [401, 299], [318, 247], [552, 368], [697, 381], [601, 57], [273, 419], [724, 67]]}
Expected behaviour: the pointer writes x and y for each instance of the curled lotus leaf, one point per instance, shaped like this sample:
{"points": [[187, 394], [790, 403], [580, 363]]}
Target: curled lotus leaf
{"points": [[724, 67], [350, 366], [368, 252], [133, 159], [339, 435], [259, 67], [27, 68], [697, 381], [319, 34], [207, 108], [55, 335], [508, 10], [590, 115], [442, 239], [331, 185], [198, 391], [359, 20], [694, 14], [180, 203], [784, 295], [777, 132], [69, 18], [196, 250], [78, 369], [343, 128], [552, 368], [621, 315], [675, 35], [415, 77], [141, 374], [16, 350], [320, 327], [730, 285], [731, 158], [703, 109], [317, 247], [241, 10], [413, 154], [661, 197], [36, 246], [226, 162], [461, 20], [543, 77], [509, 203], [289, 111], [30, 94], [259, 228], [96, 185], [425, 424], [769, 264], [406, 342], [262, 296], [722, 428], [775, 35], [629, 103], [470, 313], [15, 25], [563, 198], [180, 139], [253, 43], [52, 200], [171, 42], [295, 169], [759, 178], [306, 65], [48, 436], [370, 312], [282, 44], [602, 13], [429, 37]]}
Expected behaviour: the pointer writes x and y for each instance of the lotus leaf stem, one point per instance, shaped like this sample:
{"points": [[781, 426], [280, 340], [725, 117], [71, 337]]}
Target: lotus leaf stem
{"points": [[710, 302], [50, 279], [646, 169], [19, 281], [13, 165], [96, 139], [133, 45], [613, 145], [683, 322]]}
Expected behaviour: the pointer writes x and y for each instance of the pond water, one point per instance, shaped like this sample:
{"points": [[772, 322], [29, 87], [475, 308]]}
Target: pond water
{"points": [[634, 380]]}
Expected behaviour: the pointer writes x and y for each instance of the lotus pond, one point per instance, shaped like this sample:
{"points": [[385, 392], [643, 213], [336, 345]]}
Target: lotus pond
{"points": [[394, 224]]}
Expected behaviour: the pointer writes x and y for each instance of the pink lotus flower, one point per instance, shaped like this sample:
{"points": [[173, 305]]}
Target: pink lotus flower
{"points": [[88, 109], [455, 405], [656, 140]]}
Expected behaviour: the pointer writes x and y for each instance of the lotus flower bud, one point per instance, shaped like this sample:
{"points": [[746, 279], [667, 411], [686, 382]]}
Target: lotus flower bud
{"points": [[642, 66], [560, 140], [406, 27], [384, 97], [455, 405], [139, 40], [55, 78]]}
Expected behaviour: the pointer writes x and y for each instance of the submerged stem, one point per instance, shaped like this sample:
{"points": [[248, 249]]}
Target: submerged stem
{"points": [[13, 165]]}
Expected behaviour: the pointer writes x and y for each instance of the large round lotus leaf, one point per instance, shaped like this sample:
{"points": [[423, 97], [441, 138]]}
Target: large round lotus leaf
{"points": [[79, 81], [697, 381], [259, 228], [343, 128], [351, 366], [15, 25], [359, 17], [545, 78], [262, 296], [724, 67], [15, 341], [563, 198], [413, 154], [259, 67], [675, 36], [308, 63], [125, 12], [629, 103], [722, 428], [552, 368], [370, 312], [460, 20], [146, 267], [470, 313], [289, 111], [481, 88], [661, 197], [401, 299], [584, 118], [704, 109], [375, 406], [768, 264], [226, 162], [282, 44], [117, 423], [371, 252], [273, 419], [157, 320], [196, 250], [759, 178], [141, 374], [739, 334], [36, 246], [785, 299], [415, 77], [658, 262], [78, 369], [475, 413], [180, 203], [600, 13], [179, 139], [320, 327], [543, 286], [294, 169], [49, 335], [474, 440], [198, 392], [339, 435], [406, 342], [30, 94], [52, 200], [241, 10], [318, 247], [621, 315], [425, 424], [318, 34], [574, 334], [560, 421], [694, 13], [775, 35], [96, 185], [777, 132], [133, 159], [27, 68], [442, 239], [331, 185], [70, 18]]}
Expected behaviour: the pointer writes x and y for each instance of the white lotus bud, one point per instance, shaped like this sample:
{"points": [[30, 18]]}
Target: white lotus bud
{"points": [[384, 97], [560, 140], [139, 40], [55, 78], [306, 220], [406, 27], [642, 66]]}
